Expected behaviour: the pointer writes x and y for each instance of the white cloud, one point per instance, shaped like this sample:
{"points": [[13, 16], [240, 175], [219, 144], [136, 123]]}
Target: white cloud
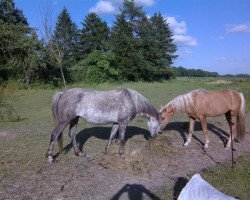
{"points": [[103, 7], [179, 30], [240, 28], [184, 40], [177, 27], [184, 53]]}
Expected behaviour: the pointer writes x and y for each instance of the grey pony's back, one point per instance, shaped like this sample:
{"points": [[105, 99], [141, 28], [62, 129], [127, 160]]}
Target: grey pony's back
{"points": [[55, 99]]}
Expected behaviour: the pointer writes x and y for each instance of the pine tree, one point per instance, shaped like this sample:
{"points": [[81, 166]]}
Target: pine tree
{"points": [[66, 36], [161, 49], [18, 45], [10, 14], [94, 34], [63, 42], [126, 42]]}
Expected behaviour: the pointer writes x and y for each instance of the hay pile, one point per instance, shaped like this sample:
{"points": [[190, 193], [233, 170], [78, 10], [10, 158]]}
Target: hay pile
{"points": [[138, 158]]}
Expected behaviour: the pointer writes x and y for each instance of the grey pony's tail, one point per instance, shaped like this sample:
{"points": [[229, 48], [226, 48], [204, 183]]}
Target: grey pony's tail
{"points": [[55, 99], [241, 119]]}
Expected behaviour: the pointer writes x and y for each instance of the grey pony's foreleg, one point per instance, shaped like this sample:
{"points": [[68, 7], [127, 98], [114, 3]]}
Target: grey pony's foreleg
{"points": [[112, 135], [122, 128]]}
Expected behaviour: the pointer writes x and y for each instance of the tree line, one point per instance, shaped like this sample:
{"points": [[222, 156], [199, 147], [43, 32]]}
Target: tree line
{"points": [[181, 71], [135, 48]]}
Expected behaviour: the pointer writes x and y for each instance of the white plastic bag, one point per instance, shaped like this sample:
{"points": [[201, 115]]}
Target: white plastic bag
{"points": [[199, 189]]}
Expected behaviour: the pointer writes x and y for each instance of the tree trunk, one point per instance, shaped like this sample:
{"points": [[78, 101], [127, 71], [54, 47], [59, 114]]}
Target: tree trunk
{"points": [[62, 74]]}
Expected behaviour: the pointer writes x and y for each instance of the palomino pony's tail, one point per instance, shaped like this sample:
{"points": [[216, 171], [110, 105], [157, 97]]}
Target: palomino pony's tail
{"points": [[55, 99], [241, 119]]}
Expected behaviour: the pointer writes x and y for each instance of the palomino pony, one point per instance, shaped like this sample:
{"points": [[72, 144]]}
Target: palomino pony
{"points": [[117, 107], [199, 104]]}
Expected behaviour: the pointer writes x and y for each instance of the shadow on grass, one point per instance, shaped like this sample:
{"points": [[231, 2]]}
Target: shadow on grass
{"points": [[104, 133], [135, 192], [182, 128]]}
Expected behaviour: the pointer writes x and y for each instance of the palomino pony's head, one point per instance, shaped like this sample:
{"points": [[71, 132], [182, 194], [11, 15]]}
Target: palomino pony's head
{"points": [[166, 113]]}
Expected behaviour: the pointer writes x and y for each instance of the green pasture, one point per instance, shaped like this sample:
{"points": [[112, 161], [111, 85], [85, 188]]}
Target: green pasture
{"points": [[27, 133]]}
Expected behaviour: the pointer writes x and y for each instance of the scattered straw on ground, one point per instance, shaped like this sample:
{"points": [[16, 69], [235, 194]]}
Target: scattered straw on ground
{"points": [[219, 82]]}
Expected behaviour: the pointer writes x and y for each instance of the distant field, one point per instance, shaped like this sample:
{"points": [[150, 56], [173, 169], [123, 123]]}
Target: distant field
{"points": [[23, 143]]}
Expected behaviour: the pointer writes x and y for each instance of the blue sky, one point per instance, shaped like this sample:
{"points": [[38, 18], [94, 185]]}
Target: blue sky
{"points": [[212, 35]]}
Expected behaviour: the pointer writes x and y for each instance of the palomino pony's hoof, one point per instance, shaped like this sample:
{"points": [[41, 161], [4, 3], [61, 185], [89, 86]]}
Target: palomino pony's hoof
{"points": [[206, 146]]}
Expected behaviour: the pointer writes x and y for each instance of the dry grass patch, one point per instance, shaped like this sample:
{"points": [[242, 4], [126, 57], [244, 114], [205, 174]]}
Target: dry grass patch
{"points": [[218, 82]]}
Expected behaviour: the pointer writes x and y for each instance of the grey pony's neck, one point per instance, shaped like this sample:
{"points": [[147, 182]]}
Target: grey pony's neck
{"points": [[146, 115]]}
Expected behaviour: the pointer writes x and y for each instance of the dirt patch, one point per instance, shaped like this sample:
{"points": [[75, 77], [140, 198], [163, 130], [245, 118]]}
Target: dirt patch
{"points": [[147, 164], [5, 134], [218, 82]]}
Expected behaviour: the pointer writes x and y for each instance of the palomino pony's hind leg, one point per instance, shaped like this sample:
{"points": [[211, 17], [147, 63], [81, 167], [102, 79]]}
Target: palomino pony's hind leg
{"points": [[205, 131], [112, 135], [190, 131], [72, 133], [57, 131], [232, 120]]}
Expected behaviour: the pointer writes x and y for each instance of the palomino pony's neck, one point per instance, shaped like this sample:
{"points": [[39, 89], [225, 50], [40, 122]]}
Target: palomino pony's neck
{"points": [[181, 103]]}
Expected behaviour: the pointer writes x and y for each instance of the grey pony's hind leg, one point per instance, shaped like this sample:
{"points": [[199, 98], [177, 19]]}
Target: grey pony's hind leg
{"points": [[55, 134], [60, 142], [112, 135], [72, 134], [122, 128]]}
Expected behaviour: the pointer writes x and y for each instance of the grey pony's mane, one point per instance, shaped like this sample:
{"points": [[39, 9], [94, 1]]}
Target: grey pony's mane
{"points": [[181, 102], [142, 105]]}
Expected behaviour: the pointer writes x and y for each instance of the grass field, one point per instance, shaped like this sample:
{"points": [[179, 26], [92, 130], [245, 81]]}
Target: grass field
{"points": [[23, 142]]}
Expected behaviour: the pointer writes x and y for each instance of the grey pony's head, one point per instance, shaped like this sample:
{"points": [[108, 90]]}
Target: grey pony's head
{"points": [[153, 126]]}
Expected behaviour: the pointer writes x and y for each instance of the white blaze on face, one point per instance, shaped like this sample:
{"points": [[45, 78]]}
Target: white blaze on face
{"points": [[153, 126]]}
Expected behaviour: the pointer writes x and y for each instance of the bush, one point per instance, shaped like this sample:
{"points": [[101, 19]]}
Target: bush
{"points": [[100, 67]]}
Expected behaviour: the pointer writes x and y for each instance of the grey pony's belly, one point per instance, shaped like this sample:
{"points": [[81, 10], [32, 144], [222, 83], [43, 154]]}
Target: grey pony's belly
{"points": [[100, 117]]}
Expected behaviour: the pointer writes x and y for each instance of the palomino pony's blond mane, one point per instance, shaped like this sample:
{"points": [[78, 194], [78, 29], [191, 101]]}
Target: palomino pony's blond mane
{"points": [[181, 102]]}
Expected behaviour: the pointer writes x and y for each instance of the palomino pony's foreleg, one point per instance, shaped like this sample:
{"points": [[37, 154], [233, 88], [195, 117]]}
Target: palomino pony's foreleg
{"points": [[57, 131], [72, 133], [205, 131], [122, 128], [190, 130], [112, 135]]}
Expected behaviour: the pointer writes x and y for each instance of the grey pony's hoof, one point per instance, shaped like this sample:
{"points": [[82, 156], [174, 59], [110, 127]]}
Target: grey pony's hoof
{"points": [[50, 160], [79, 153]]}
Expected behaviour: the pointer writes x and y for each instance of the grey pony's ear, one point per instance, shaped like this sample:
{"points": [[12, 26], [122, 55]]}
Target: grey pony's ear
{"points": [[161, 106]]}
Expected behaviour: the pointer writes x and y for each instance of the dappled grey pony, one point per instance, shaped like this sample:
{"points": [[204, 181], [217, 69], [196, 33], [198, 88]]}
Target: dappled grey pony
{"points": [[117, 107]]}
